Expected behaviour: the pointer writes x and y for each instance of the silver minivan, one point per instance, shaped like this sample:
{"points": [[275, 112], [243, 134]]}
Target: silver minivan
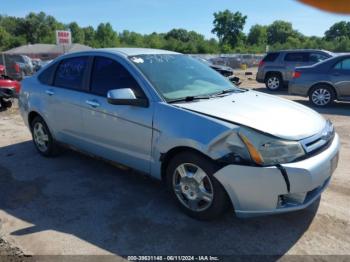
{"points": [[166, 114]]}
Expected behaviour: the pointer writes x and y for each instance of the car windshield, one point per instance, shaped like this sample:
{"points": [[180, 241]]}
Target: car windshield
{"points": [[177, 76]]}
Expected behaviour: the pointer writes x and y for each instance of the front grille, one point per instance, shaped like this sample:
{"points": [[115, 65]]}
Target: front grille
{"points": [[320, 141]]}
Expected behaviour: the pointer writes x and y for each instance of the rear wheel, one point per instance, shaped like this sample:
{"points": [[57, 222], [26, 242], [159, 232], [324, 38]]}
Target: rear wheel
{"points": [[192, 184], [42, 138], [322, 95], [274, 82]]}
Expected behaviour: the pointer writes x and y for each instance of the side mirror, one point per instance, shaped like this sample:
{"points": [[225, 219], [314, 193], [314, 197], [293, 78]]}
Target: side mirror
{"points": [[125, 96]]}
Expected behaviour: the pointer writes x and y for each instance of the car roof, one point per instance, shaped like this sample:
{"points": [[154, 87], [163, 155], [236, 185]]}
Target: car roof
{"points": [[301, 50], [132, 51]]}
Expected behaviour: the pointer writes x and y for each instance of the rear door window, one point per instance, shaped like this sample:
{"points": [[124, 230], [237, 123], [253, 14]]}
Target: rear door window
{"points": [[70, 73], [296, 57], [271, 57], [108, 74], [343, 65]]}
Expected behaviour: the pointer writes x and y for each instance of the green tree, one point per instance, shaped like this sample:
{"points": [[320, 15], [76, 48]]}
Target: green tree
{"points": [[338, 30], [78, 34], [133, 39], [228, 27], [89, 36], [106, 36], [4, 39], [155, 40], [38, 28], [257, 35], [279, 31]]}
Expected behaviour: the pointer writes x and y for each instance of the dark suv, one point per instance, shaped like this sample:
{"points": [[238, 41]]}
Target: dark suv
{"points": [[276, 69]]}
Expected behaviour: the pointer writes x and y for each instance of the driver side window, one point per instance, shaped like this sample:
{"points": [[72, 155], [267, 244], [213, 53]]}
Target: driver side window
{"points": [[108, 74]]}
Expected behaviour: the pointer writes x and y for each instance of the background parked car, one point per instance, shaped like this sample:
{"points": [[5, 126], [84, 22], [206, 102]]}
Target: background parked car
{"points": [[25, 64], [14, 68], [223, 70], [37, 64], [276, 69], [323, 82], [9, 89]]}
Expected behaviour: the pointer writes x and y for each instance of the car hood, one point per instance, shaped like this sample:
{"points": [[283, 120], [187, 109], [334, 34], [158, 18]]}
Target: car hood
{"points": [[269, 114]]}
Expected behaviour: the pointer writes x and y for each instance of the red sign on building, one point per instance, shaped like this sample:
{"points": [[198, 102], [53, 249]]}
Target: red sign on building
{"points": [[63, 37]]}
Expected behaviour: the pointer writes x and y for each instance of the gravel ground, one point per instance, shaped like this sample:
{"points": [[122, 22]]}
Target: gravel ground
{"points": [[74, 204]]}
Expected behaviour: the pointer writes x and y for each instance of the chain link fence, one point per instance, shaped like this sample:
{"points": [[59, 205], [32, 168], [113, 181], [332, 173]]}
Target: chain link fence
{"points": [[234, 61]]}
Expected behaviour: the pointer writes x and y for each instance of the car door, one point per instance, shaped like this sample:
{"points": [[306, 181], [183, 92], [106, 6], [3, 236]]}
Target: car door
{"points": [[340, 77], [121, 133], [64, 97], [293, 60]]}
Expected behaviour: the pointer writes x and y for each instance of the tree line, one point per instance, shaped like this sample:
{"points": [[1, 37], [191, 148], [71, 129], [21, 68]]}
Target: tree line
{"points": [[227, 26]]}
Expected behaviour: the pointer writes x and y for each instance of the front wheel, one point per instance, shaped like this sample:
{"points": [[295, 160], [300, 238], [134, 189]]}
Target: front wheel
{"points": [[192, 184], [321, 96]]}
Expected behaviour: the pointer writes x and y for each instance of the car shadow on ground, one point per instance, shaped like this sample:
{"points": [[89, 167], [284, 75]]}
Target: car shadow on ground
{"points": [[126, 213]]}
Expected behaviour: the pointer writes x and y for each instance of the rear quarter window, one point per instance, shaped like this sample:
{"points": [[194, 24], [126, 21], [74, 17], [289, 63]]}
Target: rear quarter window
{"points": [[46, 76], [343, 64], [271, 57]]}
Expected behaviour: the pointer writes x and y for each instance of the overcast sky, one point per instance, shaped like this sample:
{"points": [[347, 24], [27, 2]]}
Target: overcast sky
{"points": [[146, 16]]}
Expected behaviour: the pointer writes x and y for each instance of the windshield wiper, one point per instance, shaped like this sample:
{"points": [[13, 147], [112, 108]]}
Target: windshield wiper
{"points": [[188, 99], [228, 91]]}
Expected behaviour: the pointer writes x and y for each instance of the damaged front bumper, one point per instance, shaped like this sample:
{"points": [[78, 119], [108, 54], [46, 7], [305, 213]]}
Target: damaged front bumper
{"points": [[256, 191]]}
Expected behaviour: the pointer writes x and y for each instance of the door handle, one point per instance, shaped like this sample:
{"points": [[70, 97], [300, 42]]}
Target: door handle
{"points": [[92, 103], [50, 92], [336, 74]]}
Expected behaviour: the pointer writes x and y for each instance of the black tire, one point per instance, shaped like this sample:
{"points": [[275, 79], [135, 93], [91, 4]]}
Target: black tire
{"points": [[220, 200], [4, 104], [274, 82], [322, 95], [51, 149]]}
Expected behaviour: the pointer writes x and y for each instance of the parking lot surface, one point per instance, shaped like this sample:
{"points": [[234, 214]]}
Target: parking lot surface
{"points": [[75, 204]]}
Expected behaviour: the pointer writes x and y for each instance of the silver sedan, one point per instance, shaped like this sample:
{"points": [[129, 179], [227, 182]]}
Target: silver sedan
{"points": [[324, 82], [176, 119]]}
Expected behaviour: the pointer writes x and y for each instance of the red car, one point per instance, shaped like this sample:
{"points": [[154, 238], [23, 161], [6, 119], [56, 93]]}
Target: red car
{"points": [[9, 89]]}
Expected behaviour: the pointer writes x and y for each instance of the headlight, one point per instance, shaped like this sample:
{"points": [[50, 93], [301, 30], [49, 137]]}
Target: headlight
{"points": [[266, 150]]}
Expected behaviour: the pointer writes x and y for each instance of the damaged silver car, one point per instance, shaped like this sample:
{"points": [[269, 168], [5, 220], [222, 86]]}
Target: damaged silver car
{"points": [[214, 145]]}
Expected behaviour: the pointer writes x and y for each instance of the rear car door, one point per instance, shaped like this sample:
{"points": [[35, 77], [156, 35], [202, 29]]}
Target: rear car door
{"points": [[293, 60], [340, 76], [64, 95], [121, 133]]}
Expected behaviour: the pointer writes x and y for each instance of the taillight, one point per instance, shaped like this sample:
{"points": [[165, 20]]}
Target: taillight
{"points": [[296, 74], [261, 63], [17, 68]]}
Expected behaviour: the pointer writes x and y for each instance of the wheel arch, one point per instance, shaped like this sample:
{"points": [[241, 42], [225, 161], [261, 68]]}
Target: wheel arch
{"points": [[323, 84], [166, 157], [273, 72], [31, 116]]}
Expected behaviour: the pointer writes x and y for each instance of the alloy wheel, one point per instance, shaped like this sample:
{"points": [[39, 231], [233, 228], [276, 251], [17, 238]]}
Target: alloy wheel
{"points": [[273, 83], [41, 137], [193, 187], [321, 97]]}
